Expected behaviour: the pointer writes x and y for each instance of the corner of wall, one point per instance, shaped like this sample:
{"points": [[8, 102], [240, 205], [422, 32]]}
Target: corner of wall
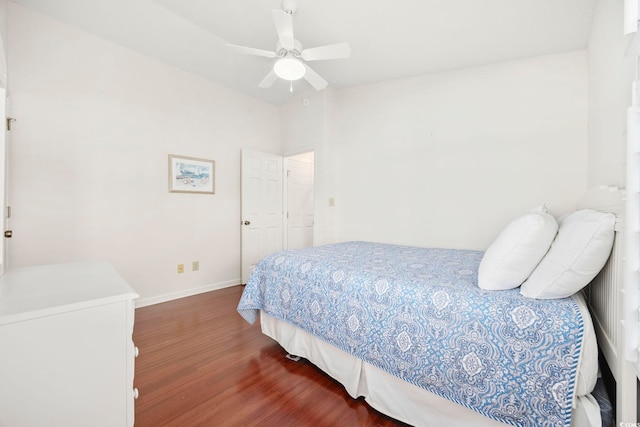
{"points": [[305, 125], [609, 92]]}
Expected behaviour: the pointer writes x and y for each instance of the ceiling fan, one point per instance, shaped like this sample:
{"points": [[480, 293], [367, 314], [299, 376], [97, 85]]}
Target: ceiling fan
{"points": [[291, 57]]}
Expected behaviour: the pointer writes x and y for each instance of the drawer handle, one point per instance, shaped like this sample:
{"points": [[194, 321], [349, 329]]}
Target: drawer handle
{"points": [[136, 351], [135, 393]]}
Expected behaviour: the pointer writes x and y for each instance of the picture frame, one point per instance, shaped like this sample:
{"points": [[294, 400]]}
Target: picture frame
{"points": [[191, 175]]}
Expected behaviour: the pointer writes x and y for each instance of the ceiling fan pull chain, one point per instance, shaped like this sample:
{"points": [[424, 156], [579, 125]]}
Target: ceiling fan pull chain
{"points": [[291, 87]]}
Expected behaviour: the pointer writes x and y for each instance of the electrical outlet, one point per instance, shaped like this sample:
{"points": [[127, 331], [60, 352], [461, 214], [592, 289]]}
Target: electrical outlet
{"points": [[195, 265], [180, 268]]}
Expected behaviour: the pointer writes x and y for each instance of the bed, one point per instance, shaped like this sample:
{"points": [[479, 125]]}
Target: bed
{"points": [[426, 339]]}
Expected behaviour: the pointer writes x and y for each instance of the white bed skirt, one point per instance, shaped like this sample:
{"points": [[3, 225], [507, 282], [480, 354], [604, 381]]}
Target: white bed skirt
{"points": [[391, 395]]}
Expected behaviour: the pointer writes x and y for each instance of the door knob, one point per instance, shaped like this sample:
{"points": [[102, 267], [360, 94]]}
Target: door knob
{"points": [[8, 234], [247, 222]]}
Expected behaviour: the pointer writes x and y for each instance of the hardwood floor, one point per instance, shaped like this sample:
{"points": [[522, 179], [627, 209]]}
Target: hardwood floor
{"points": [[201, 364]]}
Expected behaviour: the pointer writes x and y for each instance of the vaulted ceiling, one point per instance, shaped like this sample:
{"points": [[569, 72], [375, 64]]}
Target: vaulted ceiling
{"points": [[389, 39]]}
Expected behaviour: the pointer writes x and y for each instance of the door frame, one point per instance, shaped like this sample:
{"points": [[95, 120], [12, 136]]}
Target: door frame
{"points": [[4, 173]]}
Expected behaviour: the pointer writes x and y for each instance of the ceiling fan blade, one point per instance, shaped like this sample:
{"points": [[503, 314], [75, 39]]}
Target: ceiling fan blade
{"points": [[314, 79], [268, 80], [251, 50], [332, 51], [284, 27]]}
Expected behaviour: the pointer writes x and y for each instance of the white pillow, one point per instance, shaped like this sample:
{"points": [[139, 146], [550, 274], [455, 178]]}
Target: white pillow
{"points": [[578, 253], [517, 250]]}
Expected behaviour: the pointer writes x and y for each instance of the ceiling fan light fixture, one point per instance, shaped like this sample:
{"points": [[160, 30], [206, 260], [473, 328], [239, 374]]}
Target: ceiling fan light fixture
{"points": [[289, 68]]}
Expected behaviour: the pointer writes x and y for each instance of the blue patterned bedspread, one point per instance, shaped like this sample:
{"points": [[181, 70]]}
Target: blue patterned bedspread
{"points": [[418, 314]]}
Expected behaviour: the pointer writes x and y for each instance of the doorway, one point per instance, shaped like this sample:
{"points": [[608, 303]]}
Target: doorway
{"points": [[277, 205], [299, 203]]}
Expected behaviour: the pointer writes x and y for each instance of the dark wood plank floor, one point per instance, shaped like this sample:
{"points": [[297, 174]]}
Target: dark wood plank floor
{"points": [[201, 364]]}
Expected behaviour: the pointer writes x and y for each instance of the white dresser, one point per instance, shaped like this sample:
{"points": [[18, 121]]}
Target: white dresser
{"points": [[66, 348]]}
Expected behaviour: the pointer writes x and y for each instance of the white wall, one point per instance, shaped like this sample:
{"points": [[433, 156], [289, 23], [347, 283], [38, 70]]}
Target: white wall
{"points": [[4, 7], [610, 76], [448, 159], [302, 121], [88, 159]]}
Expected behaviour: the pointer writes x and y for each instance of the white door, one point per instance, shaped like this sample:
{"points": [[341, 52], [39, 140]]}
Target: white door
{"points": [[262, 208], [299, 201], [3, 179]]}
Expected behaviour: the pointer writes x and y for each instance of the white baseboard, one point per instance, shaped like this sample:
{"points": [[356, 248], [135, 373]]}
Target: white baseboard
{"points": [[143, 302]]}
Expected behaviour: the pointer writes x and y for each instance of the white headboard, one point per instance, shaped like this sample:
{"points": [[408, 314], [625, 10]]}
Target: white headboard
{"points": [[613, 299]]}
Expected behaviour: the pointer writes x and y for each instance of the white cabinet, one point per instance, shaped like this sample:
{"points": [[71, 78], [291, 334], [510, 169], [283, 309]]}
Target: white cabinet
{"points": [[66, 348]]}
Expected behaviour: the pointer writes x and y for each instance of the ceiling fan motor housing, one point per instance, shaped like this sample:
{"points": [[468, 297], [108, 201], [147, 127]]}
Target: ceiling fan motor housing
{"points": [[289, 6], [297, 48]]}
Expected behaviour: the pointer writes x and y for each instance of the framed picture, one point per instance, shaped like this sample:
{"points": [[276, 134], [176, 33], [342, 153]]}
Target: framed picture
{"points": [[191, 175]]}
